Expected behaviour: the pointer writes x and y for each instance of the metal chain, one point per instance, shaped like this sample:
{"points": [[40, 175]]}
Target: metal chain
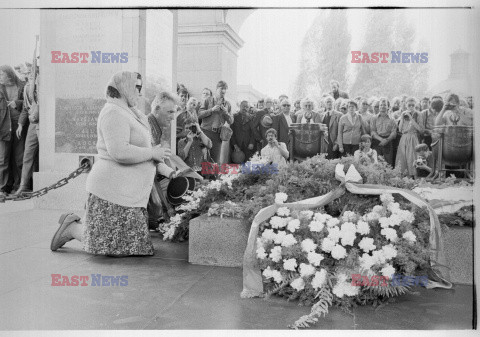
{"points": [[28, 195]]}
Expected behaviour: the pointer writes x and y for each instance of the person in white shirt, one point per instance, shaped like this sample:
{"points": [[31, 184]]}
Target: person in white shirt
{"points": [[365, 155], [275, 151]]}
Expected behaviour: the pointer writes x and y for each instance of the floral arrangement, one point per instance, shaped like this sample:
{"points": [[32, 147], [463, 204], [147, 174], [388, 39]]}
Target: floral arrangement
{"points": [[310, 256], [300, 180]]}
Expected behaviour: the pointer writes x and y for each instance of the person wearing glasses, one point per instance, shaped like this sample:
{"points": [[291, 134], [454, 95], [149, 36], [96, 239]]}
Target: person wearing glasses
{"points": [[120, 182], [282, 121], [350, 129], [411, 128], [306, 114]]}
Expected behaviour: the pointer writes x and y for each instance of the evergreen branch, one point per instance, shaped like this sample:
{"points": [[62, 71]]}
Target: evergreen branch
{"points": [[321, 307]]}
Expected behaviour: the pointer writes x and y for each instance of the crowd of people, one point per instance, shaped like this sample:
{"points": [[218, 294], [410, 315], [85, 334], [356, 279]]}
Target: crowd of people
{"points": [[127, 184], [19, 117], [369, 128]]}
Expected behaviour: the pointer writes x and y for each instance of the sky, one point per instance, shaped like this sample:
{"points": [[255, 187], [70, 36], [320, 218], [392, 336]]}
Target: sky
{"points": [[269, 58], [280, 32]]}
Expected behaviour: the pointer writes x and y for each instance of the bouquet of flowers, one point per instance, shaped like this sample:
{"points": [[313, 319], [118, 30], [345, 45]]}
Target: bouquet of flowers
{"points": [[347, 260]]}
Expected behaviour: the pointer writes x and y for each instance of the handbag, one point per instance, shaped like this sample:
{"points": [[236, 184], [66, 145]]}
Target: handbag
{"points": [[226, 133]]}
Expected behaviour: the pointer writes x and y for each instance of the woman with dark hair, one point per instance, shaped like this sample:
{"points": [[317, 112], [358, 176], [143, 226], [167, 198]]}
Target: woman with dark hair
{"points": [[12, 143], [120, 182]]}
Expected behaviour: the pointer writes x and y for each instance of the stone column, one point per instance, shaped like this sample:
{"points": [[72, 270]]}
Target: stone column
{"points": [[72, 94], [207, 51]]}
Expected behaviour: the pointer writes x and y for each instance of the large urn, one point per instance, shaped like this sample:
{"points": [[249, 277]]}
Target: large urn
{"points": [[306, 140], [457, 144]]}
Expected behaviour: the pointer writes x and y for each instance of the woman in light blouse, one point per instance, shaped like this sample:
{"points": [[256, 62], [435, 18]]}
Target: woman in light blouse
{"points": [[350, 129]]}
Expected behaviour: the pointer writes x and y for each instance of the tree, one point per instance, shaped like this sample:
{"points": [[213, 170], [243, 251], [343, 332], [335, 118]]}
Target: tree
{"points": [[324, 53]]}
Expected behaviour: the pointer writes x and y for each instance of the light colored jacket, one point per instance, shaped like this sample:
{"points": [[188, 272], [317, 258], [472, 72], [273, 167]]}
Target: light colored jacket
{"points": [[124, 171]]}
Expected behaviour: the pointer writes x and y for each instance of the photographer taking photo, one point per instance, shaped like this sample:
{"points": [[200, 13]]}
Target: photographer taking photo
{"points": [[194, 147]]}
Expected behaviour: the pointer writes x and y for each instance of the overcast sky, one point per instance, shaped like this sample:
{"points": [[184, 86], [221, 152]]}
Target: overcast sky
{"points": [[269, 59]]}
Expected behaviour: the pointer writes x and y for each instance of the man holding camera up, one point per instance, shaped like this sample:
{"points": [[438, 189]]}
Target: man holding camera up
{"points": [[214, 112], [193, 149]]}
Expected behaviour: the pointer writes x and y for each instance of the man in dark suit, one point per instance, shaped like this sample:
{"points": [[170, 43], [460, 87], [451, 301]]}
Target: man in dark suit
{"points": [[282, 121], [243, 137], [330, 118], [336, 93], [259, 127]]}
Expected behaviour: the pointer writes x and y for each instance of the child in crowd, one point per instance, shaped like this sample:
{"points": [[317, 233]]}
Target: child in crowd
{"points": [[365, 155], [193, 148], [421, 164], [276, 151]]}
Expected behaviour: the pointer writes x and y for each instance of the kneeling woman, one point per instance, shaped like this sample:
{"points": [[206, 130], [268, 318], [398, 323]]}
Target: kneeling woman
{"points": [[120, 182]]}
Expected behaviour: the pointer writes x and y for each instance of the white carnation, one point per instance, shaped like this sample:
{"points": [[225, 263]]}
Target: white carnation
{"points": [[276, 254], [388, 270], [308, 245], [277, 276], [334, 233], [332, 222], [327, 245], [267, 273], [290, 264], [366, 261], [363, 227], [366, 244], [384, 222], [379, 257], [395, 220], [409, 236], [278, 222], [261, 253], [389, 251], [279, 237], [386, 198], [316, 226], [288, 240], [319, 280], [406, 216], [372, 216], [345, 288], [348, 227], [293, 225], [349, 216], [306, 269], [390, 234], [306, 214], [315, 258], [322, 217], [298, 284], [283, 211], [280, 198], [393, 207], [378, 209], [269, 235], [338, 252], [347, 238]]}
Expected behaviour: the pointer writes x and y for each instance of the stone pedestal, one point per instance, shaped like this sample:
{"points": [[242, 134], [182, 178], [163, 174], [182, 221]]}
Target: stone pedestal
{"points": [[217, 242], [72, 94], [458, 244]]}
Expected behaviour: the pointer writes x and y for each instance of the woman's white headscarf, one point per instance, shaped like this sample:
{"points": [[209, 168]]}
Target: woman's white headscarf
{"points": [[125, 82]]}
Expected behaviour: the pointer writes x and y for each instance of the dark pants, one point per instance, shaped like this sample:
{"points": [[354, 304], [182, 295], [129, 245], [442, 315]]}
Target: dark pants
{"points": [[11, 159], [428, 140], [349, 149], [216, 144], [248, 153], [330, 153], [385, 151], [395, 142], [30, 154]]}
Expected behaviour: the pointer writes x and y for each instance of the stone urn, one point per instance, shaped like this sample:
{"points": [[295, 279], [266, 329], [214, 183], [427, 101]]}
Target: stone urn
{"points": [[306, 140]]}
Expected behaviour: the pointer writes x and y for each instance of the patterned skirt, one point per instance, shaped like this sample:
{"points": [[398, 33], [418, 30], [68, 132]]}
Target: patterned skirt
{"points": [[111, 229]]}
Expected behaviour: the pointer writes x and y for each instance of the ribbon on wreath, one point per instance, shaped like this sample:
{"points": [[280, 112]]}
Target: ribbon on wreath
{"points": [[352, 182]]}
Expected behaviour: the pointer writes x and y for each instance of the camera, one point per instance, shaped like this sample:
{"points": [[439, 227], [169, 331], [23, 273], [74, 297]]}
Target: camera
{"points": [[193, 128], [406, 117], [420, 162]]}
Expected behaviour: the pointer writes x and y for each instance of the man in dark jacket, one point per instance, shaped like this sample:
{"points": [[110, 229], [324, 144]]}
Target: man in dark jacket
{"points": [[243, 137], [11, 146], [282, 122]]}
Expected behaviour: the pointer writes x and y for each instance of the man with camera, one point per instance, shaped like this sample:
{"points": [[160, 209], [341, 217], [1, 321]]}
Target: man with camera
{"points": [[214, 112], [193, 148], [454, 114]]}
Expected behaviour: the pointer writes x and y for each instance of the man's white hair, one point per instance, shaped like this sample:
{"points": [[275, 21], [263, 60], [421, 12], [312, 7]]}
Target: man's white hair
{"points": [[165, 96]]}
